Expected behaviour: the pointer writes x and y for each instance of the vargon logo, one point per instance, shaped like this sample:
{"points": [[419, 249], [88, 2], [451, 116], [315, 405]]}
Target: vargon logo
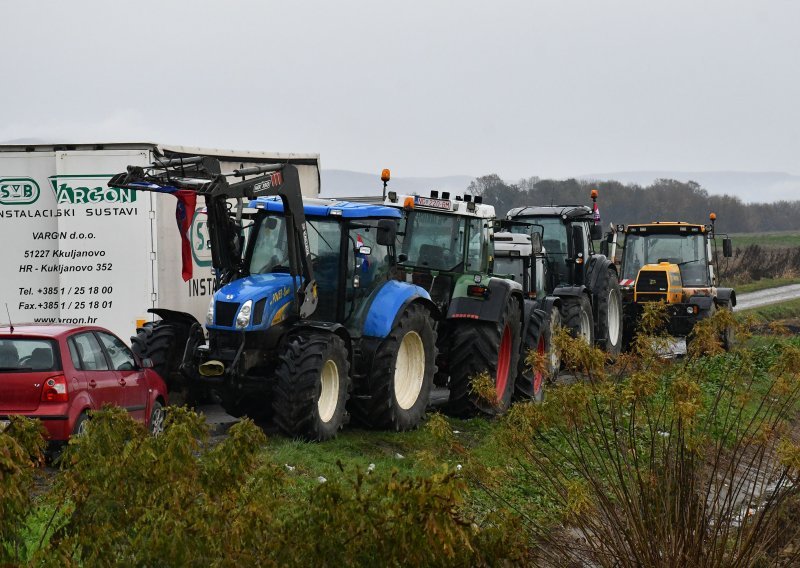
{"points": [[78, 189], [18, 191], [198, 234]]}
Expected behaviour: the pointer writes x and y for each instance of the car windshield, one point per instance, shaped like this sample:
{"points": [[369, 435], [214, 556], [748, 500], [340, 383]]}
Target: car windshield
{"points": [[26, 355], [687, 251], [434, 241]]}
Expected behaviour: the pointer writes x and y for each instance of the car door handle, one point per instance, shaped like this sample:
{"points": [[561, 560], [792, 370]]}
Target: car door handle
{"points": [[122, 382], [92, 383]]}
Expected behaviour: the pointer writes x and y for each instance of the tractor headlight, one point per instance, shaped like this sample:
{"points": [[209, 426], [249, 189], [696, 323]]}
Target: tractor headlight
{"points": [[210, 313], [689, 309], [243, 319]]}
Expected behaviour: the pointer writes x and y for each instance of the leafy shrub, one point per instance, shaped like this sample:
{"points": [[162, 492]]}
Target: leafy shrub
{"points": [[21, 450], [125, 497], [664, 464]]}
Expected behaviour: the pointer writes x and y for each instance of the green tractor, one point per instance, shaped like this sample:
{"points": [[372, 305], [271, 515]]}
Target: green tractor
{"points": [[447, 249]]}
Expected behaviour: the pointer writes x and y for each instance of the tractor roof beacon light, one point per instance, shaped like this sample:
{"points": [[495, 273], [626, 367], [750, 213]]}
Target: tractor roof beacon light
{"points": [[386, 175], [445, 195], [434, 194], [713, 218]]}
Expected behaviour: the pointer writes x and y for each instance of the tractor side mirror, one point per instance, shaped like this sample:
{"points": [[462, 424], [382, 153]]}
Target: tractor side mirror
{"points": [[596, 231], [536, 243], [727, 248], [387, 232], [147, 363]]}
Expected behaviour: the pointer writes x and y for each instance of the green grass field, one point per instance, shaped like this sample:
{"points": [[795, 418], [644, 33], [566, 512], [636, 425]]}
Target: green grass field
{"points": [[777, 312], [763, 284], [783, 239]]}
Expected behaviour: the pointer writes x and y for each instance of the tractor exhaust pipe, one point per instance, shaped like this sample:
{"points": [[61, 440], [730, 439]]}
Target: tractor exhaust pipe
{"points": [[212, 368]]}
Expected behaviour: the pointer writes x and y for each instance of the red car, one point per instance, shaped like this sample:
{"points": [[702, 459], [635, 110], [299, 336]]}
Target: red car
{"points": [[57, 373]]}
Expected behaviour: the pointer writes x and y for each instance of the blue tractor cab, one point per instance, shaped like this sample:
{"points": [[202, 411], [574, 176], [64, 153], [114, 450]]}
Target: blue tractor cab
{"points": [[308, 311]]}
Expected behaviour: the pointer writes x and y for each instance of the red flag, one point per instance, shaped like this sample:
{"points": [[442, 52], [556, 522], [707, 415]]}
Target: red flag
{"points": [[184, 212]]}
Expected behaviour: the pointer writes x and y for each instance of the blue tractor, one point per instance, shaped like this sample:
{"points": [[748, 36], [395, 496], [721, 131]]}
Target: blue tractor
{"points": [[307, 313]]}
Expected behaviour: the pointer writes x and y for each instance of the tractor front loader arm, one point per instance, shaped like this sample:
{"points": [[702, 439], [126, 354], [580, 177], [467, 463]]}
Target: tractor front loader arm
{"points": [[202, 176]]}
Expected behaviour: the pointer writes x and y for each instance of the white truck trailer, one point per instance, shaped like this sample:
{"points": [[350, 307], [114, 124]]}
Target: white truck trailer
{"points": [[76, 251]]}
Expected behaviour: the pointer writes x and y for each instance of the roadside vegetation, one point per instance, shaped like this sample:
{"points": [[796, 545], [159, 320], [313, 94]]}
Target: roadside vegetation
{"points": [[633, 203], [644, 461], [756, 267]]}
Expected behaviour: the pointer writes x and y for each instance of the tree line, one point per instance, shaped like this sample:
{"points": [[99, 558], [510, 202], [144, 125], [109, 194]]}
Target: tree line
{"points": [[663, 200]]}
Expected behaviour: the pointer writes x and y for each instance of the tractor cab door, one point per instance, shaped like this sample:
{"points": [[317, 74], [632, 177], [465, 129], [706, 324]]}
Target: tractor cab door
{"points": [[579, 251], [477, 246], [367, 267]]}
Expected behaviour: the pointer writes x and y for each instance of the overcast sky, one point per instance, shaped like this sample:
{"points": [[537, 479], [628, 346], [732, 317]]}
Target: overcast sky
{"points": [[549, 88]]}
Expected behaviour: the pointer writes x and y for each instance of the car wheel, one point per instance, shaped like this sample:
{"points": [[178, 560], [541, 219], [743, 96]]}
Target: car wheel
{"points": [[158, 418], [80, 424]]}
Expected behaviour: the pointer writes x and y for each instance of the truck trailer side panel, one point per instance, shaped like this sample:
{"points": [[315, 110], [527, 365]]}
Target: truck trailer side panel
{"points": [[76, 251]]}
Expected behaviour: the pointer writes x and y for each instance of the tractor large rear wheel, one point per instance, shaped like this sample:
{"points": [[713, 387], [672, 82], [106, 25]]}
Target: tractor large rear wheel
{"points": [[311, 385], [399, 386], [490, 347], [608, 299]]}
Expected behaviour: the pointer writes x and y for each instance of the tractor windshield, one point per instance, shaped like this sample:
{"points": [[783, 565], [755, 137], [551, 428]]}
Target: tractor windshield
{"points": [[687, 251], [554, 242], [270, 253], [434, 241]]}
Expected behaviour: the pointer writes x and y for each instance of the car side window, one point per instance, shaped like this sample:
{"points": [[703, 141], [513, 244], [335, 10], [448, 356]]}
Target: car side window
{"points": [[73, 353], [90, 353], [121, 357]]}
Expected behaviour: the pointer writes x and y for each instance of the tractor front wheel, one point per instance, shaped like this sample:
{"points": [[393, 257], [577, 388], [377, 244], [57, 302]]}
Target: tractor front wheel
{"points": [[311, 385], [576, 314], [164, 343]]}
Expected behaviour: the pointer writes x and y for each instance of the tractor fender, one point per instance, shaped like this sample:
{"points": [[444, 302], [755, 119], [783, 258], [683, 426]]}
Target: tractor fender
{"points": [[598, 267], [334, 328], [174, 317], [726, 296], [571, 292], [549, 303], [389, 302], [704, 303], [490, 308]]}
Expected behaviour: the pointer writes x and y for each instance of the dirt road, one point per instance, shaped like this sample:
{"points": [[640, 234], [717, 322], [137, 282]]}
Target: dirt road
{"points": [[766, 297]]}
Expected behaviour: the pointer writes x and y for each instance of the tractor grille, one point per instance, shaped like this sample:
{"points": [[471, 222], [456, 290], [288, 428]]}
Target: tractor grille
{"points": [[652, 297], [652, 282], [225, 312], [258, 311]]}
